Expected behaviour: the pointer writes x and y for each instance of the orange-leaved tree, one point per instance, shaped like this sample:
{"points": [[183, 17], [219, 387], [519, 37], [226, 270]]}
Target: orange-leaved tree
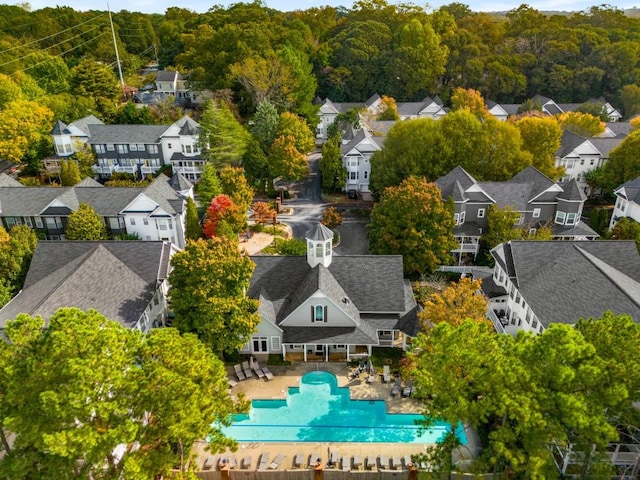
{"points": [[223, 218]]}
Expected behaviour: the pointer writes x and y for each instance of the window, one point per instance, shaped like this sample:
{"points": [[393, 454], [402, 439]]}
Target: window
{"points": [[593, 160], [27, 222], [366, 174], [155, 301], [456, 218], [481, 213], [319, 250], [133, 147], [38, 222], [536, 213], [622, 205], [99, 148], [318, 314], [519, 219], [353, 175], [572, 218], [186, 149], [560, 218], [532, 231], [259, 344], [148, 237], [275, 344], [12, 222], [327, 248], [122, 148], [169, 146], [153, 149], [110, 147], [145, 220], [582, 161], [462, 215], [535, 324], [132, 221]]}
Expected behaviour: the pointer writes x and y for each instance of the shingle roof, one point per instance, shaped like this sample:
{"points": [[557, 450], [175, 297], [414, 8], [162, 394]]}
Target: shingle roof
{"points": [[119, 134], [565, 281], [166, 75], [7, 181], [116, 278], [454, 180], [84, 122], [568, 143], [540, 182], [179, 183], [572, 191], [319, 233], [632, 190], [509, 194], [59, 128], [606, 145]]}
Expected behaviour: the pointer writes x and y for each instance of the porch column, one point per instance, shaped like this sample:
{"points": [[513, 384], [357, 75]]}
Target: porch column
{"points": [[348, 352], [304, 350], [326, 353], [284, 352], [369, 350]]}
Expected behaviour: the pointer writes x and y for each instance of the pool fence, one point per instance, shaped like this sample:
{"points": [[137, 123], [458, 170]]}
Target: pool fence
{"points": [[307, 474]]}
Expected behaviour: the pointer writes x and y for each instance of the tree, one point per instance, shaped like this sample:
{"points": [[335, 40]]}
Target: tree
{"points": [[24, 136], [234, 184], [501, 226], [130, 114], [583, 124], [626, 229], [193, 230], [223, 218], [209, 185], [623, 164], [388, 110], [85, 224], [94, 79], [256, 166], [265, 124], [69, 173], [292, 125], [224, 140], [208, 282], [265, 79], [541, 137], [69, 409], [331, 218], [468, 99], [263, 212], [458, 302], [16, 250], [334, 175], [412, 220], [286, 161], [631, 100]]}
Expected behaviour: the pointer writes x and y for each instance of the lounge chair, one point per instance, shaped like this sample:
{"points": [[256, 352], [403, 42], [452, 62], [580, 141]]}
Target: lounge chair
{"points": [[232, 382], [395, 390], [370, 462], [208, 463], [246, 462], [396, 463], [372, 376], [407, 460], [228, 459], [313, 458], [264, 460], [298, 460], [257, 369], [386, 374], [384, 462], [247, 369], [346, 463], [334, 457], [239, 373], [267, 373], [408, 386], [357, 461], [276, 462]]}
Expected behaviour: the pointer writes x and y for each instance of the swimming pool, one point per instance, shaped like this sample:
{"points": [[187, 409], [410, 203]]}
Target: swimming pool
{"points": [[320, 411]]}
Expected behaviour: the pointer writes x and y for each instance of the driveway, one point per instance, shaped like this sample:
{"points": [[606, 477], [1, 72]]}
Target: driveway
{"points": [[353, 236]]}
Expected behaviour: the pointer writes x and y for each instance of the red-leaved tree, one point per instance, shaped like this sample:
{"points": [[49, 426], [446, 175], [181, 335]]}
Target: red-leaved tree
{"points": [[223, 218]]}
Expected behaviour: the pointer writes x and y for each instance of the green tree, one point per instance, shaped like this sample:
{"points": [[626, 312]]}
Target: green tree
{"points": [[265, 79], [265, 124], [286, 161], [412, 220], [541, 138], [334, 175], [292, 125], [501, 226], [208, 284], [16, 250], [388, 109], [256, 166], [331, 218], [85, 224], [626, 229], [9, 91], [583, 124], [630, 100], [94, 79], [224, 140], [130, 114], [623, 164], [209, 185], [193, 230], [69, 173], [468, 99], [234, 183], [69, 410]]}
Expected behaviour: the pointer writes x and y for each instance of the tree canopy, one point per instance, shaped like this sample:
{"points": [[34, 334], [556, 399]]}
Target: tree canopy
{"points": [[75, 415], [85, 224], [412, 220]]}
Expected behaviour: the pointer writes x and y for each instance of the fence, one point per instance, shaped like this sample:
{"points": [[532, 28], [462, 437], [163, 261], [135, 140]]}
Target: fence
{"points": [[338, 475]]}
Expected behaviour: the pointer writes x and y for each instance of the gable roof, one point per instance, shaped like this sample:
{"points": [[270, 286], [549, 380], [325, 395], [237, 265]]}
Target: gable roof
{"points": [[563, 281], [117, 278], [146, 134], [7, 181], [631, 190]]}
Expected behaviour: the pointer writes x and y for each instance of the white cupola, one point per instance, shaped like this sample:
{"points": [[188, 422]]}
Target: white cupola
{"points": [[319, 245]]}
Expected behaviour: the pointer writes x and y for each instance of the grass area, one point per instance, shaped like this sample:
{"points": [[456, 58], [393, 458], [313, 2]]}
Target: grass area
{"points": [[334, 197], [276, 360]]}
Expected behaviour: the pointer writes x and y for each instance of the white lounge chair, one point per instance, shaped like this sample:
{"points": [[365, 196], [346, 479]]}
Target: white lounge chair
{"points": [[313, 458], [232, 382], [246, 462], [346, 463], [395, 390], [357, 461], [267, 373], [298, 460], [239, 373], [372, 376], [264, 460], [370, 462], [334, 458], [257, 369], [208, 463], [386, 374], [247, 369], [384, 462], [396, 463], [276, 462]]}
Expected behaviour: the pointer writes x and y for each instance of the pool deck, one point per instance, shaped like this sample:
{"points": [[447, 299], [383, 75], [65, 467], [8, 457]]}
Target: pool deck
{"points": [[289, 376]]}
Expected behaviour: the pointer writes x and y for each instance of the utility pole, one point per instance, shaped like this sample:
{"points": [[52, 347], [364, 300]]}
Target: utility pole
{"points": [[115, 46]]}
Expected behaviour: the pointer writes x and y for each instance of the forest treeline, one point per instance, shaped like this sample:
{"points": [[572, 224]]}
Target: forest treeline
{"points": [[404, 51]]}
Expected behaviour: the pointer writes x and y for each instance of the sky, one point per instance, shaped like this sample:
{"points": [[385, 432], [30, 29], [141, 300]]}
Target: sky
{"points": [[200, 6]]}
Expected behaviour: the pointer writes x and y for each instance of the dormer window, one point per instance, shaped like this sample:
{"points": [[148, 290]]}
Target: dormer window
{"points": [[560, 217], [318, 314], [572, 218]]}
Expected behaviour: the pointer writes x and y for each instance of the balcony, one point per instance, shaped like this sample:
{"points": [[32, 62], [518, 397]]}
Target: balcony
{"points": [[497, 324], [466, 248], [104, 170], [186, 170], [123, 169], [149, 170]]}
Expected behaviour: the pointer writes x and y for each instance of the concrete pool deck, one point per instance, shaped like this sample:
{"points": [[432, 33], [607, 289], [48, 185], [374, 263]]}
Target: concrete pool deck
{"points": [[289, 376]]}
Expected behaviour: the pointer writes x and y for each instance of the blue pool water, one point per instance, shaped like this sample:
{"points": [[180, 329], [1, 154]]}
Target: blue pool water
{"points": [[320, 411]]}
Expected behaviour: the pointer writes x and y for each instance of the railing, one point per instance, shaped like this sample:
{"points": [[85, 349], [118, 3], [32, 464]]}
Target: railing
{"points": [[466, 247], [145, 170], [125, 169], [186, 169], [497, 324], [464, 269], [99, 169]]}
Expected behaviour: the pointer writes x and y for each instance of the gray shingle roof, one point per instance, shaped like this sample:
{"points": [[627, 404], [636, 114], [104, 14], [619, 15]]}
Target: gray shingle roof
{"points": [[606, 145], [632, 190], [540, 182], [319, 233], [119, 134], [565, 281], [7, 181], [568, 143], [59, 128], [84, 122], [452, 181], [116, 278], [571, 191], [509, 194]]}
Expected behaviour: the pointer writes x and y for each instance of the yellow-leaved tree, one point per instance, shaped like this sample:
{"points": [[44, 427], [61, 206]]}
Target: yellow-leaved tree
{"points": [[24, 135], [458, 302]]}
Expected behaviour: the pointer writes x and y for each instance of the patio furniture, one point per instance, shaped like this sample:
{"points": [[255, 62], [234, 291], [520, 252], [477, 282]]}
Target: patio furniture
{"points": [[396, 463], [372, 375], [247, 369], [334, 457], [395, 390], [384, 462], [298, 460], [267, 373], [313, 458], [407, 461], [370, 462], [232, 382], [408, 387], [386, 374], [229, 460], [357, 462], [208, 463], [264, 459], [257, 369], [276, 462], [246, 462], [239, 373], [346, 463]]}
